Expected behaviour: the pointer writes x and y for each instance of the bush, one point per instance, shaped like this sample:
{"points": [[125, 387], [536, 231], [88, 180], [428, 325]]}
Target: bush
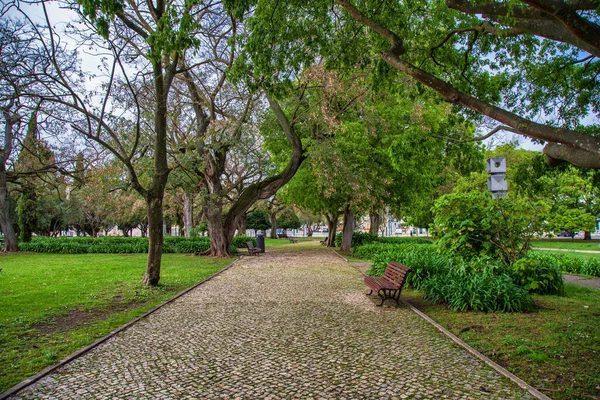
{"points": [[423, 259], [474, 224], [568, 263], [197, 245], [362, 239], [480, 285], [477, 291], [114, 245], [538, 277], [240, 241], [369, 251]]}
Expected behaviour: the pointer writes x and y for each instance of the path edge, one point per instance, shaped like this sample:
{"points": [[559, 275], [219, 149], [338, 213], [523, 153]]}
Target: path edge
{"points": [[46, 371], [501, 370]]}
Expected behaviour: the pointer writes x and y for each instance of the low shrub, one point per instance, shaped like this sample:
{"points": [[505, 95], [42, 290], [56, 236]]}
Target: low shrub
{"points": [[422, 258], [193, 246], [113, 245], [479, 285], [568, 263], [539, 277], [477, 291], [368, 251], [362, 239], [240, 241], [404, 240]]}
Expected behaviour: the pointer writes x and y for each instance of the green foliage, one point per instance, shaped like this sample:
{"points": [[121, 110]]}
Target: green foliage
{"points": [[258, 220], [27, 214], [473, 224], [199, 230], [478, 285], [239, 242], [568, 263], [368, 251], [425, 261], [114, 245], [538, 277], [477, 291], [362, 239], [572, 220], [288, 219]]}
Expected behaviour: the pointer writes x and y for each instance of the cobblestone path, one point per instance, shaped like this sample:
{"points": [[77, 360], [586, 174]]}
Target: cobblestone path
{"points": [[281, 325]]}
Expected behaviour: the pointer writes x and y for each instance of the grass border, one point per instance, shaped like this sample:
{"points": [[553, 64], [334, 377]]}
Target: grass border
{"points": [[503, 371], [46, 371]]}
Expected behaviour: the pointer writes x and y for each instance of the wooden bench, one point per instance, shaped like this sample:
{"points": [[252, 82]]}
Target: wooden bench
{"points": [[253, 251], [323, 242], [282, 236], [293, 239], [389, 285]]}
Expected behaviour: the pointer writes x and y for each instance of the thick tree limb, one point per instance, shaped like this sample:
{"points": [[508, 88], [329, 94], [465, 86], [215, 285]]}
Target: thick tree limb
{"points": [[584, 145], [554, 20]]}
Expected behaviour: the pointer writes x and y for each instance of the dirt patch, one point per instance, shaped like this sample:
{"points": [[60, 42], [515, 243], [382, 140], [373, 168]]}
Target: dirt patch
{"points": [[78, 318]]}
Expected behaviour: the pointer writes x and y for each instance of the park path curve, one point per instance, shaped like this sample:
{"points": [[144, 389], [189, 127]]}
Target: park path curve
{"points": [[280, 325]]}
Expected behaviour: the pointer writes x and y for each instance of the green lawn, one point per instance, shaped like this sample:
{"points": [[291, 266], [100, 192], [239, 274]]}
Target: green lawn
{"points": [[572, 253], [54, 304], [555, 349], [567, 244]]}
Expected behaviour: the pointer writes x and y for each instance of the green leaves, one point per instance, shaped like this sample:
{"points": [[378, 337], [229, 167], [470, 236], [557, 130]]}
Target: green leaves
{"points": [[474, 224]]}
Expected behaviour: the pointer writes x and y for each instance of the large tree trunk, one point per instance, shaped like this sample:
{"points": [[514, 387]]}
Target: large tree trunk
{"points": [[273, 217], [155, 240], [588, 236], [154, 196], [242, 225], [10, 238], [375, 223], [188, 214], [254, 192], [331, 226], [220, 237], [349, 223]]}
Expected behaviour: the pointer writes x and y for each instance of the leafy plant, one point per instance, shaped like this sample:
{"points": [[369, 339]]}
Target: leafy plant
{"points": [[473, 224], [538, 277]]}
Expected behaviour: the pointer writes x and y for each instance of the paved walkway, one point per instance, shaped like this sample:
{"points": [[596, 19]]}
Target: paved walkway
{"points": [[278, 326]]}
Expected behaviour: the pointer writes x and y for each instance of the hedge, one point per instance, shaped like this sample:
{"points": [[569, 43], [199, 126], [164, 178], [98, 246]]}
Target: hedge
{"points": [[122, 245], [361, 239]]}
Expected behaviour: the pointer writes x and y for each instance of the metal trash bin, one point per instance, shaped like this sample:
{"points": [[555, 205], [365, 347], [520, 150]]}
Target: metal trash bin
{"points": [[260, 242]]}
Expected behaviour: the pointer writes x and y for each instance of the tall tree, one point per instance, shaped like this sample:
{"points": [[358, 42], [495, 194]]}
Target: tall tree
{"points": [[151, 38]]}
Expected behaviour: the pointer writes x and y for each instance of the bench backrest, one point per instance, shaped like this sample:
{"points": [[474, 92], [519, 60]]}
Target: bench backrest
{"points": [[396, 272], [249, 245]]}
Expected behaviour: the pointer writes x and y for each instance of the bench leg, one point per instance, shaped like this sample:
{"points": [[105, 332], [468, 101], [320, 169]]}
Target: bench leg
{"points": [[385, 294]]}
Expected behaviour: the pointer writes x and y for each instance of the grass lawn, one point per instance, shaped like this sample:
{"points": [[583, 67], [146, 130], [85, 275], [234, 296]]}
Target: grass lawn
{"points": [[567, 244], [555, 349], [572, 253], [53, 304]]}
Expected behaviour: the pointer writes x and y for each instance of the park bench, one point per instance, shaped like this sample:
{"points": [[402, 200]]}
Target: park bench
{"points": [[253, 251], [282, 236], [293, 239], [389, 285], [323, 242]]}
